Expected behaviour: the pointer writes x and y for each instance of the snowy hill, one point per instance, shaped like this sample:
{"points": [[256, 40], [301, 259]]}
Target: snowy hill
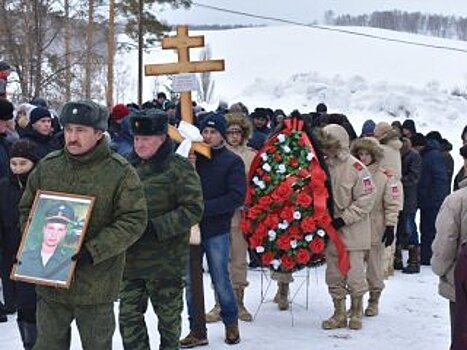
{"points": [[293, 67]]}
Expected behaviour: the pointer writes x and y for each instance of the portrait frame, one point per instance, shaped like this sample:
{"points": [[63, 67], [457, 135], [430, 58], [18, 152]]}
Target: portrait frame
{"points": [[54, 232]]}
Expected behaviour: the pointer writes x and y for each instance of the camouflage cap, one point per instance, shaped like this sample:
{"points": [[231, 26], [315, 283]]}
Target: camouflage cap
{"points": [[61, 213], [149, 122], [85, 112]]}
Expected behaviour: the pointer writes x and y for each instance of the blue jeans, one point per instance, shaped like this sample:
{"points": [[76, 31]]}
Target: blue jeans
{"points": [[217, 253], [411, 229]]}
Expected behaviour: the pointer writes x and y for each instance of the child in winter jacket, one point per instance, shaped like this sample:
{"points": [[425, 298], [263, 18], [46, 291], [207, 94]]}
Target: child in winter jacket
{"points": [[383, 216]]}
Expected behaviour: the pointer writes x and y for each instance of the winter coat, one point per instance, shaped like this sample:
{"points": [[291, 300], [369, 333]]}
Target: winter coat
{"points": [[175, 203], [451, 232], [224, 188], [259, 137], [411, 171], [44, 143], [4, 156], [392, 157], [122, 139], [389, 194], [433, 185], [446, 148], [460, 321], [247, 155], [117, 220], [353, 191]]}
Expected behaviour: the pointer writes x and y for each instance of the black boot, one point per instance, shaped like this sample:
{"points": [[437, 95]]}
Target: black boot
{"points": [[28, 333], [3, 317], [414, 261], [398, 265]]}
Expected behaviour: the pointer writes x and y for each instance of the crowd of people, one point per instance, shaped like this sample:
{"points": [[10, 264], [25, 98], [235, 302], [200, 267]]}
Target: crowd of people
{"points": [[149, 198]]}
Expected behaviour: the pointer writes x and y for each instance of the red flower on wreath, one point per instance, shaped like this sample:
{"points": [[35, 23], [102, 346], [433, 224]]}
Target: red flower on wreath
{"points": [[283, 192], [283, 242], [267, 178], [267, 258], [308, 224], [272, 220], [277, 157], [265, 202], [255, 241], [294, 232], [287, 214], [261, 230], [293, 162], [317, 245], [303, 256], [304, 199], [245, 226], [254, 212], [287, 262]]}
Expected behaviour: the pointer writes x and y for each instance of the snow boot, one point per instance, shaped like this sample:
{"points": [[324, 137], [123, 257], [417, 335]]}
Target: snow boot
{"points": [[282, 296], [243, 313], [398, 264], [373, 304], [192, 341], [356, 315], [339, 318], [214, 315], [28, 332], [414, 261], [232, 334]]}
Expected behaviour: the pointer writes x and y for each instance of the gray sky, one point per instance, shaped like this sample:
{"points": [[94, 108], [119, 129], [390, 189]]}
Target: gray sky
{"points": [[302, 10]]}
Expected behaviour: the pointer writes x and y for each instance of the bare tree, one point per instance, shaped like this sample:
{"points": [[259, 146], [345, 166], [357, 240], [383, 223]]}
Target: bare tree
{"points": [[206, 84]]}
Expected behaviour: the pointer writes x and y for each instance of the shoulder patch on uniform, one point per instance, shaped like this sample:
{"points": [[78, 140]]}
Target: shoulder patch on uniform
{"points": [[367, 184], [358, 166]]}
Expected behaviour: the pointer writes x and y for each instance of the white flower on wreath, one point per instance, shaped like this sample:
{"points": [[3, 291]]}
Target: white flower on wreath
{"points": [[310, 156], [321, 233], [264, 157], [261, 184], [286, 149], [308, 238], [255, 180], [272, 235], [260, 249], [275, 264], [266, 167], [281, 138], [297, 215], [283, 225], [281, 169], [293, 243]]}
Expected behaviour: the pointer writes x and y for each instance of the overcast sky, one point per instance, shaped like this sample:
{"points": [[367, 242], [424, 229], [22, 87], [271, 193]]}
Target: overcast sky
{"points": [[302, 10]]}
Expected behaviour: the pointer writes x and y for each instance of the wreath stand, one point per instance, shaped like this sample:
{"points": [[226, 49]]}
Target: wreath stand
{"points": [[301, 281]]}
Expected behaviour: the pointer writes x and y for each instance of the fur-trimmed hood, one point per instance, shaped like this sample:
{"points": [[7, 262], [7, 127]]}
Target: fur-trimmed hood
{"points": [[335, 138], [243, 121], [369, 144]]}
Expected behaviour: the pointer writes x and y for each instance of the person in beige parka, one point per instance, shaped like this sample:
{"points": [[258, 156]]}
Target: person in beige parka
{"points": [[354, 195], [383, 216]]}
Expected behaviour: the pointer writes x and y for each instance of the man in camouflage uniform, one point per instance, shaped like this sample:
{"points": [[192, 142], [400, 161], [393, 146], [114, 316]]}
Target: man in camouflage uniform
{"points": [[156, 264], [87, 166]]}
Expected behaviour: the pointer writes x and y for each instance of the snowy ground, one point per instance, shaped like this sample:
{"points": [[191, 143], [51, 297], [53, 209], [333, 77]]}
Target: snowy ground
{"points": [[412, 316]]}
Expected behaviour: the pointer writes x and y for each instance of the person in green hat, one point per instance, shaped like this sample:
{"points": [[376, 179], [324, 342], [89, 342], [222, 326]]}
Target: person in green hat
{"points": [[157, 262], [87, 166]]}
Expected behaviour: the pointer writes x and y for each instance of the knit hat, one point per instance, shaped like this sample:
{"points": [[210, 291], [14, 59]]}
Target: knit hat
{"points": [[368, 128], [216, 121], [409, 124], [39, 113], [321, 108], [149, 122], [39, 102], [418, 140], [85, 112], [24, 148], [6, 109], [119, 111]]}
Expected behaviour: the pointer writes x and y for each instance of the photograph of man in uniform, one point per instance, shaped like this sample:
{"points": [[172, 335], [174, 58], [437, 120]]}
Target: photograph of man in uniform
{"points": [[51, 260]]}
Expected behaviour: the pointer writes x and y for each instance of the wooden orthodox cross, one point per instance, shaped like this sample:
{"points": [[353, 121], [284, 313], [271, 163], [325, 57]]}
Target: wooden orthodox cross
{"points": [[182, 43]]}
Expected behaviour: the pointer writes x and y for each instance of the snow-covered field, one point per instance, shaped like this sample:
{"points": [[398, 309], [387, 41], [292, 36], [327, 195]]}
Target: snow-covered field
{"points": [[412, 316]]}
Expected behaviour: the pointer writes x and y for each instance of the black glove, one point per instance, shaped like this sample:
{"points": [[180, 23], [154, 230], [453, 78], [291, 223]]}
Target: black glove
{"points": [[388, 236], [338, 223], [83, 257]]}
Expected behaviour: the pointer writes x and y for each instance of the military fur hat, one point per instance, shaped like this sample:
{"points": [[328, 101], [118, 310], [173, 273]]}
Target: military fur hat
{"points": [[149, 122], [61, 212], [85, 112]]}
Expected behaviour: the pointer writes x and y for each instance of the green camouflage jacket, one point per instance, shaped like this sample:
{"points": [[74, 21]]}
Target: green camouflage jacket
{"points": [[175, 203], [118, 218]]}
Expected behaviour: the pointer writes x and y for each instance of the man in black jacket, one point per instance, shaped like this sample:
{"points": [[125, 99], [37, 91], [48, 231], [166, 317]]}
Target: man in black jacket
{"points": [[223, 182]]}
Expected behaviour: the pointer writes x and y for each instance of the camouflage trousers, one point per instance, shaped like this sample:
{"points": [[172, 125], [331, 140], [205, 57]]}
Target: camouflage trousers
{"points": [[96, 325], [167, 300]]}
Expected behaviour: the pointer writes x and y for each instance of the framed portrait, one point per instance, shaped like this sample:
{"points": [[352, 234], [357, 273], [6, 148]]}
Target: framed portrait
{"points": [[54, 232]]}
